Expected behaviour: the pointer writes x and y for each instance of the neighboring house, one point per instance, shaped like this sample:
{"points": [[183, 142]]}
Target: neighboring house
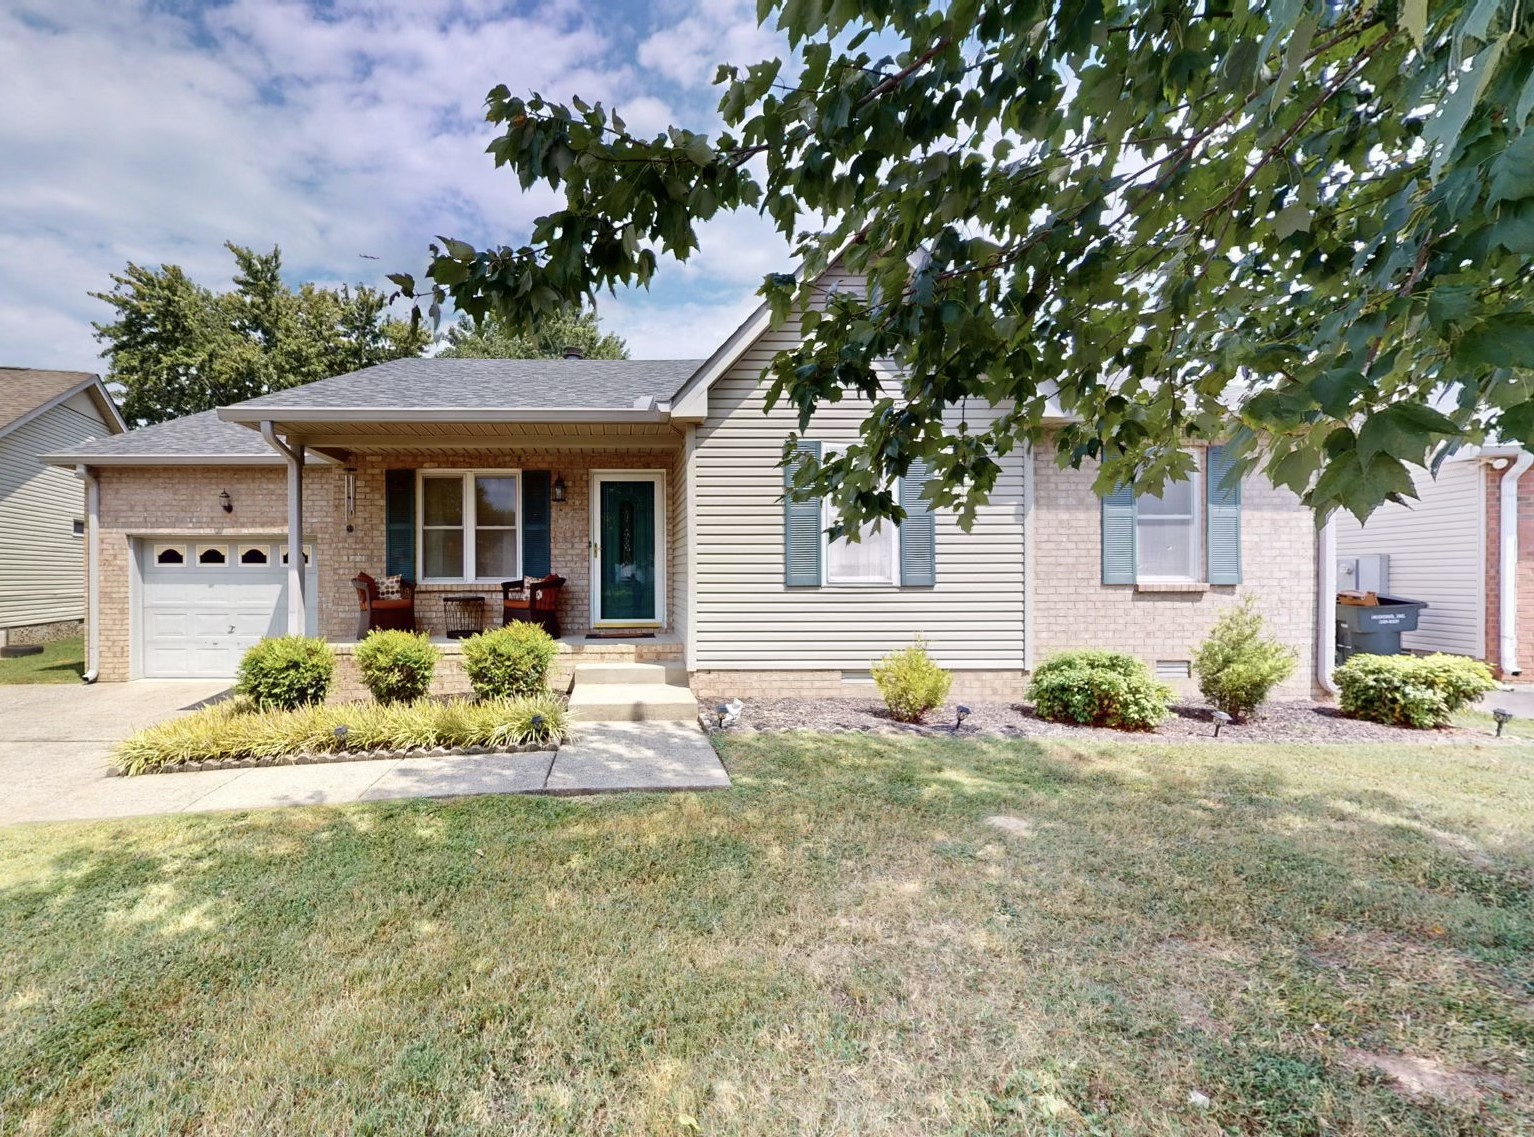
{"points": [[42, 509], [1466, 547], [653, 486]]}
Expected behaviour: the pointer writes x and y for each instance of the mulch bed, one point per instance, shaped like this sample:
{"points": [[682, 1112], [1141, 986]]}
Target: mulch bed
{"points": [[1285, 721]]}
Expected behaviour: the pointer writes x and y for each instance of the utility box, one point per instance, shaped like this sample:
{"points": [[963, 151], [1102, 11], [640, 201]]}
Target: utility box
{"points": [[1370, 573], [1375, 629]]}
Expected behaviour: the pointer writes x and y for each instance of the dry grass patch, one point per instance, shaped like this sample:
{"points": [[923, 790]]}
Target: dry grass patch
{"points": [[1189, 939]]}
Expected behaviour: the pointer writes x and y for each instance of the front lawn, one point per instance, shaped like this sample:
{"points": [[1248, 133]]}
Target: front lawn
{"points": [[62, 661], [868, 935]]}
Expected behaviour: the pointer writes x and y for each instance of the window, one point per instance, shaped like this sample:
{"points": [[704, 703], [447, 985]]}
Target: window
{"points": [[169, 555], [469, 525], [867, 561], [79, 527], [307, 556], [253, 555], [1166, 532], [211, 555]]}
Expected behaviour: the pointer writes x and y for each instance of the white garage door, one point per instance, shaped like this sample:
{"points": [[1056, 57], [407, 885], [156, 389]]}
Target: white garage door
{"points": [[204, 603]]}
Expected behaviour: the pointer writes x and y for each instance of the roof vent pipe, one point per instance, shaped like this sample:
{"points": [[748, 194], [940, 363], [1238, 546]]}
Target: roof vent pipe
{"points": [[574, 353]]}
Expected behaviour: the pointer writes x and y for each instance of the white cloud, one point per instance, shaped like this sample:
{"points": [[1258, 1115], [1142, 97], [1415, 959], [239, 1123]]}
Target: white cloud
{"points": [[355, 129]]}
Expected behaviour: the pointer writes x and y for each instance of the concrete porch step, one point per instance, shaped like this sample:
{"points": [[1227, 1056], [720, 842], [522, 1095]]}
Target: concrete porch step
{"points": [[631, 702], [630, 674]]}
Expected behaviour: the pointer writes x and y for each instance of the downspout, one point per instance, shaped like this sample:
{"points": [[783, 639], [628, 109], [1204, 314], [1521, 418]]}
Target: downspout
{"points": [[297, 601], [1507, 565], [1028, 559], [92, 575], [1326, 605]]}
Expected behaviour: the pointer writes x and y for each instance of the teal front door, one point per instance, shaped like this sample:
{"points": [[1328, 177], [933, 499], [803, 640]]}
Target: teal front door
{"points": [[627, 549]]}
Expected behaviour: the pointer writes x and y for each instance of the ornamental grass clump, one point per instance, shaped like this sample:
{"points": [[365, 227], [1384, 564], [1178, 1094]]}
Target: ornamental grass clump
{"points": [[1238, 665], [1411, 690], [510, 662], [1099, 688], [287, 672], [397, 667], [238, 730], [911, 682]]}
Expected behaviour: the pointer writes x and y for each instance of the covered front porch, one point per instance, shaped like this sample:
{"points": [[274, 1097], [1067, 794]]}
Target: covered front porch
{"points": [[456, 514]]}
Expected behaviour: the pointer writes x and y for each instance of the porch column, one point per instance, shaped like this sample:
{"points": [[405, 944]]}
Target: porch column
{"points": [[293, 452]]}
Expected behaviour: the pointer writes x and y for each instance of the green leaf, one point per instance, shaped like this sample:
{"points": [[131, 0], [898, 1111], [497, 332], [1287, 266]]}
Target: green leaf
{"points": [[1444, 129], [1291, 219], [1501, 341], [1512, 174]]}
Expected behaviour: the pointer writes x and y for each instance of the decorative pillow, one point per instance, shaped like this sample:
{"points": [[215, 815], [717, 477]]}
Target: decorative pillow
{"points": [[389, 588]]}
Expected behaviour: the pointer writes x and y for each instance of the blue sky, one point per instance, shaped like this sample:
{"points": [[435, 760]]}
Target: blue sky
{"points": [[341, 131]]}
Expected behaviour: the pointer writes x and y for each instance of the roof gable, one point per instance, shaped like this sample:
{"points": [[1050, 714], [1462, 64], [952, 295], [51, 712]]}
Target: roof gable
{"points": [[26, 393]]}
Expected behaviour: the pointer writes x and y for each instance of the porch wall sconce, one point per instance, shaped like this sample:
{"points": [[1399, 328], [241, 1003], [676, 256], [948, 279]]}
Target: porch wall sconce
{"points": [[557, 492], [224, 502]]}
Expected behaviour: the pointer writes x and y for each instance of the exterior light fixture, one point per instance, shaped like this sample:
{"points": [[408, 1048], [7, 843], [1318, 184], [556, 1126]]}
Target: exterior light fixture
{"points": [[558, 490], [341, 732], [723, 712], [536, 722], [1503, 717], [961, 712], [225, 502], [1220, 719]]}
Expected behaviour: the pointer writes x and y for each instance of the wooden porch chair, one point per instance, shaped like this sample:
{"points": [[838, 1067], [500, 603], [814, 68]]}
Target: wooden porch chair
{"points": [[534, 601], [375, 612]]}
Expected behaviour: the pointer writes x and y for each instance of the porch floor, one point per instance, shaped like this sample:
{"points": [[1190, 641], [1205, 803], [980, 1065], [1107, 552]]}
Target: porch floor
{"points": [[661, 643]]}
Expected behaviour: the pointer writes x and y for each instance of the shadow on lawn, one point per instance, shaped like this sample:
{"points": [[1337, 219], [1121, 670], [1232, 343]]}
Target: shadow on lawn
{"points": [[1148, 932]]}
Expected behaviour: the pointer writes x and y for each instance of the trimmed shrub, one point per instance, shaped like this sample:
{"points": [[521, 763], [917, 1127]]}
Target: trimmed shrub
{"points": [[911, 683], [1411, 690], [287, 672], [1099, 688], [1238, 666], [396, 666], [510, 662], [238, 730]]}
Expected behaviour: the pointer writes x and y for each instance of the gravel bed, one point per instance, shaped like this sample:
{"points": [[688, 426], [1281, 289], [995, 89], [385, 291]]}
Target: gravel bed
{"points": [[1298, 720]]}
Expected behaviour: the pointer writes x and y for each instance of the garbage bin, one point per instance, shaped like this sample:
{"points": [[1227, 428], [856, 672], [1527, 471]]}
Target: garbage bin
{"points": [[1375, 629]]}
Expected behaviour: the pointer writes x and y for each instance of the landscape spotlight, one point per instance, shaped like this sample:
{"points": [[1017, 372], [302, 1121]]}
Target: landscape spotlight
{"points": [[723, 712], [341, 732], [961, 712], [1503, 717], [1220, 719]]}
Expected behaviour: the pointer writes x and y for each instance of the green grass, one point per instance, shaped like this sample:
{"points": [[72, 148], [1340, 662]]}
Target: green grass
{"points": [[62, 661], [843, 944]]}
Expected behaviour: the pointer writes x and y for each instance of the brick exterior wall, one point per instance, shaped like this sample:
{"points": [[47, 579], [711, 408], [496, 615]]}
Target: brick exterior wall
{"points": [[1492, 488], [1072, 608], [976, 686]]}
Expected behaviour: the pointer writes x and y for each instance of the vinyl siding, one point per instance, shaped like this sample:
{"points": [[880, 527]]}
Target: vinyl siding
{"points": [[41, 574], [1436, 554], [747, 619]]}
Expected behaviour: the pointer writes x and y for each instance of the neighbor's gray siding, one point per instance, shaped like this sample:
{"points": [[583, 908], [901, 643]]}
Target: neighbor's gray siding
{"points": [[1437, 550], [747, 619], [41, 574]]}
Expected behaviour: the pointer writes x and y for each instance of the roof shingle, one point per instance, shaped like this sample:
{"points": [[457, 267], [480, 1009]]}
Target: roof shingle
{"points": [[202, 435], [23, 390]]}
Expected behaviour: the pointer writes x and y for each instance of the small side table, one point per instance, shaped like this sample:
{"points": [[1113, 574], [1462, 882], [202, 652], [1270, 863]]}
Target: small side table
{"points": [[463, 613]]}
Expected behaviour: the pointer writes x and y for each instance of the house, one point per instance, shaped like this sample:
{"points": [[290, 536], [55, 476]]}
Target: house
{"points": [[42, 509], [653, 487], [1466, 547]]}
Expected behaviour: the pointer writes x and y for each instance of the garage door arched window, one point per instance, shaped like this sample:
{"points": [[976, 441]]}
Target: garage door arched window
{"points": [[169, 555], [212, 555], [253, 555]]}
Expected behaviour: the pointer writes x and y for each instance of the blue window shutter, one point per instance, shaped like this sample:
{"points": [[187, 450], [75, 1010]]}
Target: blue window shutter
{"points": [[399, 523], [536, 557], [1222, 513], [918, 533], [1119, 536], [801, 528]]}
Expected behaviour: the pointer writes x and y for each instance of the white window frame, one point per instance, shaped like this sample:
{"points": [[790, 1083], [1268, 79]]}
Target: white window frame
{"points": [[470, 524], [888, 531], [1195, 538]]}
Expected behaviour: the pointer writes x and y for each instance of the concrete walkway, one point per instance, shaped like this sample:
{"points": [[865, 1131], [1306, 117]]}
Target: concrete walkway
{"points": [[55, 742]]}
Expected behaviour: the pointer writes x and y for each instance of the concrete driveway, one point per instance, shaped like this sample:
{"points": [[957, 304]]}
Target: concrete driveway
{"points": [[56, 738], [55, 742]]}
